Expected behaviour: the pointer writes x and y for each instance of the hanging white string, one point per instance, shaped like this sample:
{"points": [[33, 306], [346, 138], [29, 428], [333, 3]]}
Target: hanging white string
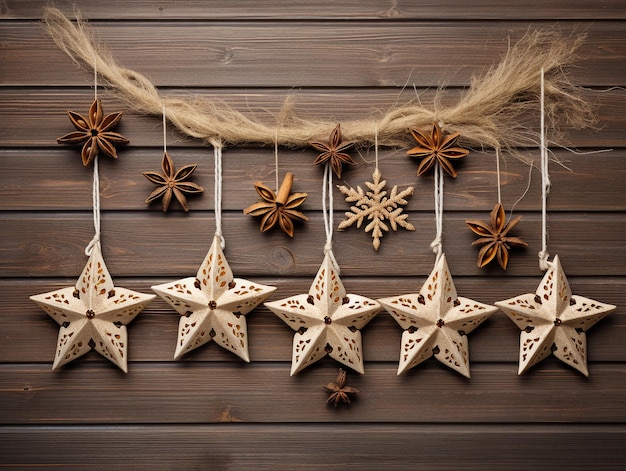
{"points": [[437, 244], [95, 78], [217, 153], [276, 158], [95, 191], [530, 179], [164, 132], [327, 209], [544, 264], [376, 145], [498, 175], [96, 209]]}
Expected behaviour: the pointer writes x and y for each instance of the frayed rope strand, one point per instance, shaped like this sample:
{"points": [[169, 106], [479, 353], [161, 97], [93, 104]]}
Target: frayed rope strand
{"points": [[487, 115]]}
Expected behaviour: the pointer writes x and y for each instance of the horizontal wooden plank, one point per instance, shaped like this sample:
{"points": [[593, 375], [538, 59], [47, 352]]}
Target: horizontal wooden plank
{"points": [[333, 54], [313, 446], [205, 392], [55, 180], [149, 244], [45, 110], [29, 335], [322, 10]]}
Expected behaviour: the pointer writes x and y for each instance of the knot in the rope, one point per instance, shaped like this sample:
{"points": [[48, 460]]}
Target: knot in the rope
{"points": [[544, 264], [95, 241], [328, 251]]}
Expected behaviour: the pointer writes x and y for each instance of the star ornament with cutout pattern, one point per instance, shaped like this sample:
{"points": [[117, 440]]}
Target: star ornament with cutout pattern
{"points": [[552, 320], [327, 321], [436, 322], [93, 314], [213, 305]]}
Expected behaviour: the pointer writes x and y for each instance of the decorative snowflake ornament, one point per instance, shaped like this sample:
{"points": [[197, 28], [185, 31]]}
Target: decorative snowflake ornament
{"points": [[327, 321], [93, 314], [436, 322], [552, 320], [213, 305], [377, 207]]}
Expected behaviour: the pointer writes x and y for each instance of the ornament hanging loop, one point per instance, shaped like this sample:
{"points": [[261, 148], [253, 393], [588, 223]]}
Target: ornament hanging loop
{"points": [[327, 209], [437, 243], [217, 153], [95, 191], [544, 264]]}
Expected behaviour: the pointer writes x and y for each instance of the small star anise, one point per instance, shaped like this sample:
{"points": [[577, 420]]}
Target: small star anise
{"points": [[278, 208], [93, 132], [339, 391], [493, 237], [436, 148], [172, 182], [333, 151]]}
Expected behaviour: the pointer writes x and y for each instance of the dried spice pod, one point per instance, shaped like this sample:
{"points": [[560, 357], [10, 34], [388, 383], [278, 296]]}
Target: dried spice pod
{"points": [[339, 392], [172, 183], [333, 151], [494, 237], [436, 148], [94, 132], [278, 208]]}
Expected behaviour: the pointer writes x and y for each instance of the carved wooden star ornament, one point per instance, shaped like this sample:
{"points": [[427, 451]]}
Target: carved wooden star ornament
{"points": [[552, 320], [436, 322], [93, 314], [213, 305], [327, 321]]}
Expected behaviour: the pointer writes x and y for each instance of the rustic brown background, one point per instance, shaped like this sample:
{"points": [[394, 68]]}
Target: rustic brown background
{"points": [[341, 60]]}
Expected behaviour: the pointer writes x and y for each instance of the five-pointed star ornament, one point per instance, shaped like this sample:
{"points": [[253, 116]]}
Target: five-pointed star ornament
{"points": [[93, 314], [327, 321], [436, 321], [552, 320], [213, 305]]}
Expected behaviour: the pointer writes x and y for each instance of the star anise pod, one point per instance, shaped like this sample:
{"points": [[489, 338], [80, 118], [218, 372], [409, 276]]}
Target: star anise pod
{"points": [[436, 148], [94, 133], [339, 392], [278, 208], [493, 237], [172, 183], [333, 151]]}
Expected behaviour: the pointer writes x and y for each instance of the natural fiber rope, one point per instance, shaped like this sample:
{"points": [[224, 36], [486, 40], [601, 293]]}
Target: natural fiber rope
{"points": [[488, 114]]}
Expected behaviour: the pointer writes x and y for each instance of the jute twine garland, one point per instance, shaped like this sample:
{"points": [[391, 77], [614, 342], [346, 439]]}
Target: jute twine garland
{"points": [[488, 115]]}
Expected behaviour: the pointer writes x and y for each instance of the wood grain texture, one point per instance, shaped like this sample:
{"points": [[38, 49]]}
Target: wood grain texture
{"points": [[62, 183], [325, 9], [205, 392], [45, 245], [342, 446], [340, 61], [327, 54], [152, 335], [46, 111]]}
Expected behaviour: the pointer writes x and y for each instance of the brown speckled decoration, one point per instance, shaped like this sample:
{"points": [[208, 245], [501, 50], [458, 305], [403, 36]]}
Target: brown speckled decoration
{"points": [[436, 321], [93, 314], [327, 321], [552, 320]]}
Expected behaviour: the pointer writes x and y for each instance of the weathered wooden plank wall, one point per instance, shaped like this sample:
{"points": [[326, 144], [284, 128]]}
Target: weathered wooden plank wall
{"points": [[341, 61]]}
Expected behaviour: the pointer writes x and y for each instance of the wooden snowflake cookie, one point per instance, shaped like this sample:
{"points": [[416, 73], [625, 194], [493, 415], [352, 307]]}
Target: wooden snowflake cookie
{"points": [[376, 206]]}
